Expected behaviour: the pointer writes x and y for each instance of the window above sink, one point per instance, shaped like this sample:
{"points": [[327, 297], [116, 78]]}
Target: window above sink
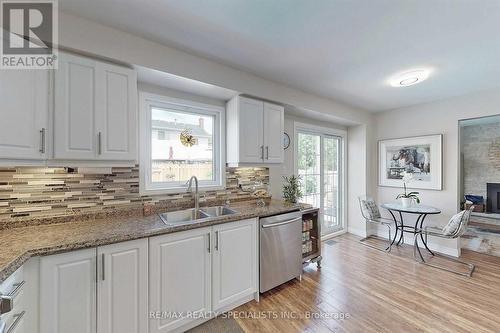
{"points": [[179, 139]]}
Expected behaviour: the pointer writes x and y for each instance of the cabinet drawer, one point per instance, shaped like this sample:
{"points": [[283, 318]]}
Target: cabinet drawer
{"points": [[14, 286]]}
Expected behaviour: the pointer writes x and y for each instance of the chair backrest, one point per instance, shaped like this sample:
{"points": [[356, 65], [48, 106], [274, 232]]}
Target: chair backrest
{"points": [[464, 222], [369, 208]]}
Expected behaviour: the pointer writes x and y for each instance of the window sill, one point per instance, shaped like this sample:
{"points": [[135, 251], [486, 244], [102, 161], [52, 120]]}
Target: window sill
{"points": [[179, 190]]}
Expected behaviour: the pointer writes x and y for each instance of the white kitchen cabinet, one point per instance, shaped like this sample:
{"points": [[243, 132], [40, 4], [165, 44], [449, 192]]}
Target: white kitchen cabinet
{"points": [[22, 286], [95, 107], [116, 112], [273, 133], [254, 132], [75, 108], [122, 288], [234, 262], [24, 95], [179, 280], [68, 292]]}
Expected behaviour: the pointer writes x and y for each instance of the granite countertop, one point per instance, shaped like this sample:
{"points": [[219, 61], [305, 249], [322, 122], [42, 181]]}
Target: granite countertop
{"points": [[21, 243]]}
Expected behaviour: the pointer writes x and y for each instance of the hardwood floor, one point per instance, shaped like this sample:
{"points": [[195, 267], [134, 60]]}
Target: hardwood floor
{"points": [[380, 292]]}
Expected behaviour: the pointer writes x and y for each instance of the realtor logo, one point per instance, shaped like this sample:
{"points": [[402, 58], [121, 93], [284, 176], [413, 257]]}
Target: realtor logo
{"points": [[29, 33]]}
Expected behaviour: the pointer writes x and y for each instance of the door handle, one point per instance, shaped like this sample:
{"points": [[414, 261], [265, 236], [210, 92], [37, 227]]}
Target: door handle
{"points": [[267, 152], [42, 141], [261, 152], [216, 241], [281, 223], [99, 143], [209, 246], [103, 266]]}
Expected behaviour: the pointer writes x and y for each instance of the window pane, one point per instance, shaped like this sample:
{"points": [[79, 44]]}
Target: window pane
{"points": [[173, 161]]}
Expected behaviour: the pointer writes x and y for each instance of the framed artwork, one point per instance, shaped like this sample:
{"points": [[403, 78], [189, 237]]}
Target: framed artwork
{"points": [[420, 156]]}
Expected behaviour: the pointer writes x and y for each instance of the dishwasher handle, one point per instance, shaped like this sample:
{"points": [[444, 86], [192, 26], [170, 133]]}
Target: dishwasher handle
{"points": [[281, 223]]}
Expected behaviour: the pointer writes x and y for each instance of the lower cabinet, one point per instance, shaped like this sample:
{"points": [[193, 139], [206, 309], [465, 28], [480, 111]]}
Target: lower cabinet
{"points": [[122, 287], [101, 290], [195, 272], [19, 313], [68, 292], [235, 272], [162, 284], [179, 281]]}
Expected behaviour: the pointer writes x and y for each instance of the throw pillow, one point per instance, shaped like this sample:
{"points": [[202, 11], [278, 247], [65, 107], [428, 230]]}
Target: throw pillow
{"points": [[370, 209], [452, 226]]}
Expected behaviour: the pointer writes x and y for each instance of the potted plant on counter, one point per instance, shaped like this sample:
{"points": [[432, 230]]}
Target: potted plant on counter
{"points": [[407, 198], [291, 189]]}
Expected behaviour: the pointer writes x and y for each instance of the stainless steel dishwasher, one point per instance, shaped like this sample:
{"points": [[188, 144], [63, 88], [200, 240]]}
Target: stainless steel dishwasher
{"points": [[280, 249]]}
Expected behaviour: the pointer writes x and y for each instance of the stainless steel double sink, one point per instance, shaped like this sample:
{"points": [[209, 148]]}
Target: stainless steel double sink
{"points": [[194, 215]]}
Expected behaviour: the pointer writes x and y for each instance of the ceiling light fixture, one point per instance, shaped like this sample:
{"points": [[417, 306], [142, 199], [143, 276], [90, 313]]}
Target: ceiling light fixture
{"points": [[409, 78]]}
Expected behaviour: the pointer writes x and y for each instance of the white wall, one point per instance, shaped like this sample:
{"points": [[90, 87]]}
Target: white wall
{"points": [[154, 89], [357, 176], [435, 118]]}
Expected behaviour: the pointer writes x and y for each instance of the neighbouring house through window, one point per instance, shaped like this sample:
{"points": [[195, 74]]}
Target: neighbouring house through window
{"points": [[180, 139]]}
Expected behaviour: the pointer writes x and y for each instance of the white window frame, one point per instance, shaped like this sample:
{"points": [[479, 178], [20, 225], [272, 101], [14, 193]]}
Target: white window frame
{"points": [[146, 102]]}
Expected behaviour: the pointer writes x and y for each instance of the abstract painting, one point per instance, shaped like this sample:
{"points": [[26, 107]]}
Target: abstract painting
{"points": [[420, 156]]}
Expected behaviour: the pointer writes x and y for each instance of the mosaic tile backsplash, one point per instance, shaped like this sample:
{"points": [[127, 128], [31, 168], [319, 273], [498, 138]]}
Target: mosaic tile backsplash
{"points": [[31, 193]]}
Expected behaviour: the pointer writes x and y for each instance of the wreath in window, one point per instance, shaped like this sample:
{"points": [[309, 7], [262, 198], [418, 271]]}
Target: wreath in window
{"points": [[187, 139]]}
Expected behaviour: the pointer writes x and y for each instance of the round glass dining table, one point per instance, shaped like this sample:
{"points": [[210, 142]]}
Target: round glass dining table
{"points": [[422, 211]]}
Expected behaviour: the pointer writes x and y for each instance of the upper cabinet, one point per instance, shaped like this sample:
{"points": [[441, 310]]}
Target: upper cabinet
{"points": [[24, 95], [254, 132], [95, 107]]}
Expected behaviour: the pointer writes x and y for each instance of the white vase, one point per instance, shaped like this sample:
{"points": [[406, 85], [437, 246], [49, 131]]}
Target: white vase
{"points": [[406, 202]]}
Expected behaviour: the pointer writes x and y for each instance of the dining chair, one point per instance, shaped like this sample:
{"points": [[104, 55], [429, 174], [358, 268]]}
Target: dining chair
{"points": [[371, 214], [455, 228]]}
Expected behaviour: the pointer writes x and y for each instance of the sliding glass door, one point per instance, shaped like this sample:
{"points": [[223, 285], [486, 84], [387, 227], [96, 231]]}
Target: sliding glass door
{"points": [[319, 164]]}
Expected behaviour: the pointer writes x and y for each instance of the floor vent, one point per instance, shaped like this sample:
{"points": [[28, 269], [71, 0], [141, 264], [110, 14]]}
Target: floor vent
{"points": [[331, 242]]}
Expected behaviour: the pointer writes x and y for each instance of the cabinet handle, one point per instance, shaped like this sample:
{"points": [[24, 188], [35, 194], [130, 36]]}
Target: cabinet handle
{"points": [[99, 143], [103, 256], [209, 246], [267, 152], [7, 301], [216, 241], [42, 141], [16, 322], [261, 152]]}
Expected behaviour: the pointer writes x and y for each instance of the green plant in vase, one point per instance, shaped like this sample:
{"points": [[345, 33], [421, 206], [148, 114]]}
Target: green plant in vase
{"points": [[291, 189]]}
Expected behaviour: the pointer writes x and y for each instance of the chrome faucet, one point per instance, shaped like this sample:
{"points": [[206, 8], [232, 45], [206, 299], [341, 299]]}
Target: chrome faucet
{"points": [[189, 184]]}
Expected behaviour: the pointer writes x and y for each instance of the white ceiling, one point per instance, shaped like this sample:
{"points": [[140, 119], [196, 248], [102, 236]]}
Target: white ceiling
{"points": [[344, 50]]}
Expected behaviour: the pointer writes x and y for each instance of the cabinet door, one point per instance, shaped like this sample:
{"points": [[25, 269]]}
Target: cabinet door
{"points": [[24, 113], [75, 108], [251, 115], [234, 262], [68, 292], [116, 112], [179, 277], [122, 274], [273, 133]]}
